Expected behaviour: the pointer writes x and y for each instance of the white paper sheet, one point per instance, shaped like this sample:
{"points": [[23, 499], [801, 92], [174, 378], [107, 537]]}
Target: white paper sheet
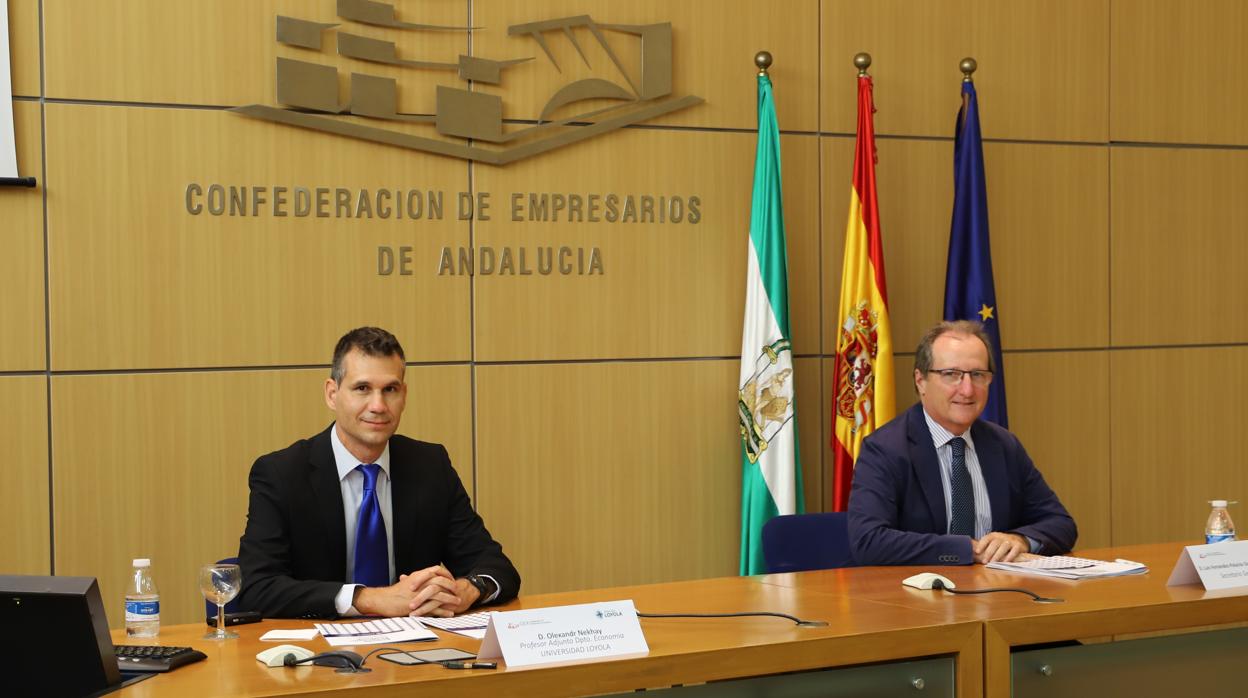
{"points": [[8, 145], [283, 635], [469, 625], [377, 631], [1071, 567]]}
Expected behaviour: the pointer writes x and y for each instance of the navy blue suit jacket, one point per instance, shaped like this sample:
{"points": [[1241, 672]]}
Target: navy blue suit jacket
{"points": [[897, 503]]}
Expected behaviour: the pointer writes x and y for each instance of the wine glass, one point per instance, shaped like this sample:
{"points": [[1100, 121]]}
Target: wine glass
{"points": [[219, 584]]}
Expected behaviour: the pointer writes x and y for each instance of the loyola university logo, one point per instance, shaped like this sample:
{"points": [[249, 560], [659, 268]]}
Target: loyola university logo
{"points": [[468, 124]]}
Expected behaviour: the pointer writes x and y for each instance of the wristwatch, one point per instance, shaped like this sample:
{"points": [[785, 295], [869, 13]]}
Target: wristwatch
{"points": [[488, 587]]}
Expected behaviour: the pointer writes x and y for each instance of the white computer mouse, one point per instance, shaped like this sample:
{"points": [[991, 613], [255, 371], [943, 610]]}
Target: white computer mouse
{"points": [[276, 656], [924, 580]]}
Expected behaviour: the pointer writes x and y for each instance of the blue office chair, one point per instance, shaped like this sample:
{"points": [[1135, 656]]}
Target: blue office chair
{"points": [[807, 542], [210, 608]]}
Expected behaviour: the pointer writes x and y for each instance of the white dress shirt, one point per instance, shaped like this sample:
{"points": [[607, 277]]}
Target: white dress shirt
{"points": [[352, 483]]}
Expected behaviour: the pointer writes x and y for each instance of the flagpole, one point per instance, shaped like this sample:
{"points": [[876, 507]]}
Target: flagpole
{"points": [[771, 464], [863, 383], [967, 66], [862, 61], [762, 61], [970, 292]]}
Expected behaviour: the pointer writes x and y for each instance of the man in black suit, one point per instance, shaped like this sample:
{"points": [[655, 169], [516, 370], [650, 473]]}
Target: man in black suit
{"points": [[327, 511]]}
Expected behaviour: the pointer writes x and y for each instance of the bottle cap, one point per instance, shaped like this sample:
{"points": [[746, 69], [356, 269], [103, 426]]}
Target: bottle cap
{"points": [[144, 562], [1218, 503]]}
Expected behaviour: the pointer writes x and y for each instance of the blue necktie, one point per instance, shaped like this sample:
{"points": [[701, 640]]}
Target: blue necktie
{"points": [[961, 496], [372, 557]]}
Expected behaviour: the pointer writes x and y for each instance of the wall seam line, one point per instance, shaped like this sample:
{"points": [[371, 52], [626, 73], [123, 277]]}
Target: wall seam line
{"points": [[47, 286]]}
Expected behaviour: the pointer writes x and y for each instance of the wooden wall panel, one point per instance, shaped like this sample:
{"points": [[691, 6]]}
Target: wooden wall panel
{"points": [[1178, 250], [611, 473], [21, 238], [667, 289], [1177, 71], [24, 478], [1043, 202], [182, 444], [137, 281], [827, 465], [904, 394], [1042, 72], [810, 417], [799, 157], [1048, 209], [24, 47], [179, 53], [713, 47], [1060, 409], [1177, 430]]}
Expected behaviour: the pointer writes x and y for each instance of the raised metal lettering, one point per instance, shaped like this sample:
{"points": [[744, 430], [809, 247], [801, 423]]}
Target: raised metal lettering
{"points": [[193, 191]]}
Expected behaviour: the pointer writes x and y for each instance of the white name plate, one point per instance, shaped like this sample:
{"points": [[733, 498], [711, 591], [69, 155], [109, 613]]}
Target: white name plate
{"points": [[562, 634], [1216, 566]]}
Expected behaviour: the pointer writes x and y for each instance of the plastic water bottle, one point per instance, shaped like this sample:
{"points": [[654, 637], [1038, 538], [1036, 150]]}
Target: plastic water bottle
{"points": [[1219, 528], [142, 602]]}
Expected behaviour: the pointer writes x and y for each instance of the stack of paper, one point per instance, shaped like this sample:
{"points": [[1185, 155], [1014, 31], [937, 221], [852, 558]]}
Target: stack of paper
{"points": [[375, 632], [1064, 567], [472, 624]]}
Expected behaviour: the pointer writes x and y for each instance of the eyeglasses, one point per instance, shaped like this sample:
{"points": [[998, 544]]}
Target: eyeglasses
{"points": [[953, 376]]}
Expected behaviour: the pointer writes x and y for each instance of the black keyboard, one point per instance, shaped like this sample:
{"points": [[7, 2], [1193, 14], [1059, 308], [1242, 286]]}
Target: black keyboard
{"points": [[152, 658]]}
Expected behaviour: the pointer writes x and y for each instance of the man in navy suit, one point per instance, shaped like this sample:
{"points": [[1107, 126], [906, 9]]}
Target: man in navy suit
{"points": [[937, 485], [360, 521]]}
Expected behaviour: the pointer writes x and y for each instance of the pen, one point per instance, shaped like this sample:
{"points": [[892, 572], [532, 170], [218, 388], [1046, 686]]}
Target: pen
{"points": [[470, 665]]}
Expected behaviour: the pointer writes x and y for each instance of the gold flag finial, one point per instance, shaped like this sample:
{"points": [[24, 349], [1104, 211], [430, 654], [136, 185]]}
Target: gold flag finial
{"points": [[862, 61], [762, 60], [967, 66]]}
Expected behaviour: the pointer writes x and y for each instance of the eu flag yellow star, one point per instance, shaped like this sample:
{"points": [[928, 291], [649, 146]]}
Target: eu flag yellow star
{"points": [[985, 313]]}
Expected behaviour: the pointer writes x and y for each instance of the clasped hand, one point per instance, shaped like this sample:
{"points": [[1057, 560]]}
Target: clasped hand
{"points": [[999, 547], [428, 592]]}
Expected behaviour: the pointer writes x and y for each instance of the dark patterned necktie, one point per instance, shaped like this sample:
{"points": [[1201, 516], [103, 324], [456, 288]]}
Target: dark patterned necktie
{"points": [[961, 496], [372, 557]]}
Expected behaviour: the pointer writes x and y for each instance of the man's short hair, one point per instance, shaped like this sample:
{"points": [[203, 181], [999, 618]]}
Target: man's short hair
{"points": [[371, 341], [923, 354]]}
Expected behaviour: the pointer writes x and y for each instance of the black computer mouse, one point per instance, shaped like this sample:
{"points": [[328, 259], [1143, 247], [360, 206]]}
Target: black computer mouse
{"points": [[340, 659]]}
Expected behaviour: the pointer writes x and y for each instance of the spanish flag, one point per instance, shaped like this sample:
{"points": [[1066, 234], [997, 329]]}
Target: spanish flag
{"points": [[862, 389]]}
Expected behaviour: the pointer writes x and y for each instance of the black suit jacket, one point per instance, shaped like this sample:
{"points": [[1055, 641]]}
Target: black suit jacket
{"points": [[294, 551], [897, 502]]}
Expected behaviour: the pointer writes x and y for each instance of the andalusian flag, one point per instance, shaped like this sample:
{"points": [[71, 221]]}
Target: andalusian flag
{"points": [[969, 291], [862, 390], [771, 471]]}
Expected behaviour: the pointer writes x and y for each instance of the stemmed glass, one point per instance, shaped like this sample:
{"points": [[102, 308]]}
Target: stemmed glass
{"points": [[219, 584]]}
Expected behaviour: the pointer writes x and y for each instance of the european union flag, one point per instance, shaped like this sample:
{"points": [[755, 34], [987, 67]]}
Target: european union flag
{"points": [[969, 291]]}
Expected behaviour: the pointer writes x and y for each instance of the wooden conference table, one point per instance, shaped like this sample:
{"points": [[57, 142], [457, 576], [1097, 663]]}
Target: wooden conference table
{"points": [[914, 639]]}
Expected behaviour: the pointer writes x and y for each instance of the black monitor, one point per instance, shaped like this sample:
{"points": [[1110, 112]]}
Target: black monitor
{"points": [[55, 639]]}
